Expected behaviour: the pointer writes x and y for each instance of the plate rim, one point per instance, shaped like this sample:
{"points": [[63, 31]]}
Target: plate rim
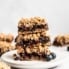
{"points": [[23, 63]]}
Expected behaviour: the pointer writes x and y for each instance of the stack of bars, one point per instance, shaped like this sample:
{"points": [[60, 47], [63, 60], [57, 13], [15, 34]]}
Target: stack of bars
{"points": [[33, 40], [6, 43]]}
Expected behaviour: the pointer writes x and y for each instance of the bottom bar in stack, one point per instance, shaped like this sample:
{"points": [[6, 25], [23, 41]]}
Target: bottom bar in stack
{"points": [[34, 53]]}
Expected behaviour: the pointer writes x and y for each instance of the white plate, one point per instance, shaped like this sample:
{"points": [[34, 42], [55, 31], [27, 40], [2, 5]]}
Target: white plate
{"points": [[60, 58]]}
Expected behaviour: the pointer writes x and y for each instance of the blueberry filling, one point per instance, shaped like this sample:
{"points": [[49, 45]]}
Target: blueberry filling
{"points": [[23, 28], [44, 39], [35, 54], [21, 54], [31, 42], [56, 43], [28, 55]]}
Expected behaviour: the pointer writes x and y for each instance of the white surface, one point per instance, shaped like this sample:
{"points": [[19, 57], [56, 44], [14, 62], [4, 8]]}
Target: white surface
{"points": [[56, 11], [61, 57]]}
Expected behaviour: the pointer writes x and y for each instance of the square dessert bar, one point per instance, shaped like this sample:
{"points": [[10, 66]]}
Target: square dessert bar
{"points": [[32, 39], [33, 53], [61, 40], [5, 43], [35, 24]]}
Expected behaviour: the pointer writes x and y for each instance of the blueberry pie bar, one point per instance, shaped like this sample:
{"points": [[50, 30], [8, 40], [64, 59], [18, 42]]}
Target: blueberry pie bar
{"points": [[61, 40], [32, 25], [4, 65], [6, 43]]}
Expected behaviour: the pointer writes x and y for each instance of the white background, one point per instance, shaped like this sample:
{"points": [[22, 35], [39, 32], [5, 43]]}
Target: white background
{"points": [[56, 12]]}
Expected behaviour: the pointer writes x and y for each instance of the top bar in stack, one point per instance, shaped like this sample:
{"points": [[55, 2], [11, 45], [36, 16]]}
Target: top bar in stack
{"points": [[32, 25]]}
